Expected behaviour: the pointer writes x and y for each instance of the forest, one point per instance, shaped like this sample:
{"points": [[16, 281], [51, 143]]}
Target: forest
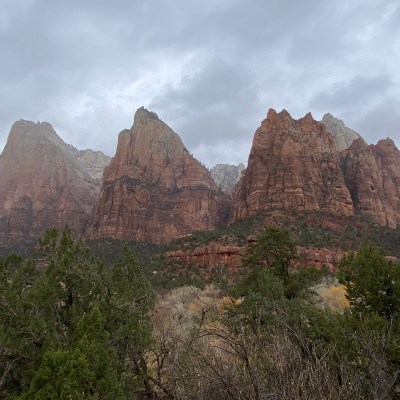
{"points": [[75, 327]]}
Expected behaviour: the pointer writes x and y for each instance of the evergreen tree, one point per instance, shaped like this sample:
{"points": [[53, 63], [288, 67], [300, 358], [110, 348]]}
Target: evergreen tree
{"points": [[76, 330]]}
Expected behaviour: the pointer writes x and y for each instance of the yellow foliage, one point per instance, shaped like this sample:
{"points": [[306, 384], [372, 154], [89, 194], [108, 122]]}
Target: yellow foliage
{"points": [[335, 297]]}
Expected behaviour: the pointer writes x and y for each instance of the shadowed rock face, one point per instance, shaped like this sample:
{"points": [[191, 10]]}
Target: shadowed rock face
{"points": [[372, 174], [154, 190], [293, 164], [45, 182], [342, 135]]}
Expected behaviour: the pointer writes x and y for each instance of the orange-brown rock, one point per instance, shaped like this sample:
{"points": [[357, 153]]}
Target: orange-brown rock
{"points": [[372, 174], [319, 258], [293, 164], [45, 182], [230, 256], [211, 255], [153, 189]]}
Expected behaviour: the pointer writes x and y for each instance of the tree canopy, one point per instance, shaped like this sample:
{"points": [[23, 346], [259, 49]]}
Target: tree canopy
{"points": [[77, 329]]}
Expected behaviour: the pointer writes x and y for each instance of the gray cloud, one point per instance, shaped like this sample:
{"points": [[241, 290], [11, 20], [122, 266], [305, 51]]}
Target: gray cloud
{"points": [[209, 69], [360, 90]]}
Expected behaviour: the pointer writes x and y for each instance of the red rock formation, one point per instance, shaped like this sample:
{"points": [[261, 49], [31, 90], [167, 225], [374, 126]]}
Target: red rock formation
{"points": [[372, 174], [154, 190], [230, 256], [44, 182], [319, 258], [211, 255], [292, 165]]}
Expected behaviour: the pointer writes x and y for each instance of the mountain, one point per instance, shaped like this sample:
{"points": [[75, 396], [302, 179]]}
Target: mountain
{"points": [[45, 182], [153, 189], [226, 176], [293, 164], [372, 174], [343, 135]]}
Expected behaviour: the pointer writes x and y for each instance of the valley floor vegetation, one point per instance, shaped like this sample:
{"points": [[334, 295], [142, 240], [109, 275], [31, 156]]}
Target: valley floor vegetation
{"points": [[72, 327]]}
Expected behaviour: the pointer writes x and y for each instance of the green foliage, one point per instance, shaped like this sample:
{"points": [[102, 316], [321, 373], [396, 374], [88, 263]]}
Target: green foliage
{"points": [[274, 250], [87, 368], [76, 330], [270, 259], [372, 282], [373, 289], [333, 355]]}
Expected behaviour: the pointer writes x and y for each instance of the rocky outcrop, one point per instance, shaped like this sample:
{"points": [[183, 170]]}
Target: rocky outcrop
{"points": [[293, 164], [153, 189], [211, 255], [45, 182], [372, 174], [343, 135], [229, 256], [226, 176], [319, 257]]}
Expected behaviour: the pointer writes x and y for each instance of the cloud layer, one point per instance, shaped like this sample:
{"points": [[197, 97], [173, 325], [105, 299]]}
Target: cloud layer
{"points": [[210, 69]]}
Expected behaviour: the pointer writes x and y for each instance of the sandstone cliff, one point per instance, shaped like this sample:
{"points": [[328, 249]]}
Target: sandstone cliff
{"points": [[293, 164], [372, 174], [343, 135], [229, 256], [45, 182], [154, 190], [226, 176]]}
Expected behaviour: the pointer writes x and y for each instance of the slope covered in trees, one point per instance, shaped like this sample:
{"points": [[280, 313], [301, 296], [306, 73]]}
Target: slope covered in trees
{"points": [[72, 327]]}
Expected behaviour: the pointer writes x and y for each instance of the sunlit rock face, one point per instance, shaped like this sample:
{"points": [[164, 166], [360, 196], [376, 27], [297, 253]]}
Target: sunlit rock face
{"points": [[293, 164], [45, 182], [154, 190]]}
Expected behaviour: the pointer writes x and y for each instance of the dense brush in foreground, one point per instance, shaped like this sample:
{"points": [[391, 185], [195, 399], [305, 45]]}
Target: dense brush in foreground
{"points": [[74, 328]]}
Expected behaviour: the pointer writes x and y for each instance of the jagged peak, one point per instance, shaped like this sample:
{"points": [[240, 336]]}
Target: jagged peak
{"points": [[271, 113], [331, 117], [386, 143], [285, 113], [307, 118], [38, 127], [28, 132], [143, 114], [343, 135]]}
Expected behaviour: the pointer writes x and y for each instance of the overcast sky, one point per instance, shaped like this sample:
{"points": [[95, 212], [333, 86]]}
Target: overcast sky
{"points": [[209, 68]]}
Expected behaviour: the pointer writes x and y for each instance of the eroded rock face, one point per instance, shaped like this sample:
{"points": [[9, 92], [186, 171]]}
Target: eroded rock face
{"points": [[343, 135], [372, 174], [319, 257], [230, 256], [293, 164], [226, 176], [153, 189], [44, 183]]}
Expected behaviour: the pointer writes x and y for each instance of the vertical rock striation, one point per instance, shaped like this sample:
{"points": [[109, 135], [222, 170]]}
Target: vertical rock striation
{"points": [[293, 164], [372, 174], [153, 189], [45, 182]]}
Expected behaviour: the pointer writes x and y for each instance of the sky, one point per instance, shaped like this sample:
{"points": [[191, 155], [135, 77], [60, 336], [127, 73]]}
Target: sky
{"points": [[210, 69]]}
